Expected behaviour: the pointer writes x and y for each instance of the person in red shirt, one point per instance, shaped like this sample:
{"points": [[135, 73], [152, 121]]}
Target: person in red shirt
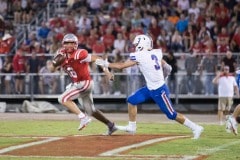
{"points": [[98, 47], [223, 19], [235, 41], [6, 43], [108, 39], [75, 62], [223, 41], [19, 67]]}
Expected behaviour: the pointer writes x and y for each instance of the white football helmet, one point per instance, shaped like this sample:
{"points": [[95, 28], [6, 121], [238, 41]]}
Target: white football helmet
{"points": [[143, 43], [70, 38]]}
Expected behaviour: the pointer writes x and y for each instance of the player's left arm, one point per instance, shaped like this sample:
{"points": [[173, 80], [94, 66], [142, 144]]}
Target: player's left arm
{"points": [[166, 68]]}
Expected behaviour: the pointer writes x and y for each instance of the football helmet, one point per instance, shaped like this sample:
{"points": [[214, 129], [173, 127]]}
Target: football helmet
{"points": [[70, 38], [143, 43]]}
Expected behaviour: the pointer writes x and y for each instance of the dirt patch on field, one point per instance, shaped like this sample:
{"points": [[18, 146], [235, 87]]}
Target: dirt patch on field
{"points": [[82, 145]]}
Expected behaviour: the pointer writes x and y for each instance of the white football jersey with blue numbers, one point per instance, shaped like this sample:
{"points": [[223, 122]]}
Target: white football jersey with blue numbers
{"points": [[149, 63]]}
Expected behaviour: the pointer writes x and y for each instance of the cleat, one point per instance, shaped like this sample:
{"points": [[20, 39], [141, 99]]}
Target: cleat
{"points": [[228, 125], [111, 130], [131, 130], [84, 122], [234, 125], [197, 132]]}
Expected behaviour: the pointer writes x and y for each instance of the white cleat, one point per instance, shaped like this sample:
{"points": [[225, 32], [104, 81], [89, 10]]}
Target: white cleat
{"points": [[233, 124], [228, 125], [131, 130], [84, 122], [197, 132]]}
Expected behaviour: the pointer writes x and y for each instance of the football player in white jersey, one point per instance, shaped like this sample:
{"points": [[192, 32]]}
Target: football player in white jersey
{"points": [[154, 70]]}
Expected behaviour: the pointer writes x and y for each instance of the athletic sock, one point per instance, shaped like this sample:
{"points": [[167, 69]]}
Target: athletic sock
{"points": [[190, 124], [81, 115], [132, 124]]}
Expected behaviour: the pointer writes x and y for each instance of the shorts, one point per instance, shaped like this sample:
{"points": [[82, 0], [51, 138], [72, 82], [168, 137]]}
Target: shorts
{"points": [[19, 77], [225, 103], [8, 78]]}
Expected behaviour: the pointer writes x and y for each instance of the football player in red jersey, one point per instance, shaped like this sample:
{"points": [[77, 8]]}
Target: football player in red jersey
{"points": [[75, 62]]}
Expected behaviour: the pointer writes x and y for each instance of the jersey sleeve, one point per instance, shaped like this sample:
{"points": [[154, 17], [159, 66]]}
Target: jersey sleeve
{"points": [[80, 54], [133, 57]]}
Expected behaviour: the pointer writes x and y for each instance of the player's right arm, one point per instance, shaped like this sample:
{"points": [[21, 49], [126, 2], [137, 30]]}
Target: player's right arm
{"points": [[117, 65], [57, 60]]}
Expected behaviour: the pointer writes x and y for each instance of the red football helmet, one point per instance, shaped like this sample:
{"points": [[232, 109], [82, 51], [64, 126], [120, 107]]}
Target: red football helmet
{"points": [[70, 43]]}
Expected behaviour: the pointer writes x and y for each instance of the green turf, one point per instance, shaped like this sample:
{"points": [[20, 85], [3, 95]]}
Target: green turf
{"points": [[214, 142]]}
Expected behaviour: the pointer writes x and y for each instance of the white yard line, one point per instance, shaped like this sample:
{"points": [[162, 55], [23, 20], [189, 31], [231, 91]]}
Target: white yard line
{"points": [[125, 148], [8, 149], [218, 148]]}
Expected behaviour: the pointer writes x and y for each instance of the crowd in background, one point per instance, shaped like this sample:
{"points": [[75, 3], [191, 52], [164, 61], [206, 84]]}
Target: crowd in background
{"points": [[207, 31]]}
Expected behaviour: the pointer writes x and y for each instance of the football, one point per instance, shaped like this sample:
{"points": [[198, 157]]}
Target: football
{"points": [[58, 60]]}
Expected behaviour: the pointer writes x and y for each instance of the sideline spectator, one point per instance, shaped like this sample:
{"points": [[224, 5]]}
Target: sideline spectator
{"points": [[47, 83], [209, 64], [19, 67], [104, 82], [171, 80], [191, 65], [227, 85], [118, 79], [230, 61], [33, 66], [38, 49], [7, 68]]}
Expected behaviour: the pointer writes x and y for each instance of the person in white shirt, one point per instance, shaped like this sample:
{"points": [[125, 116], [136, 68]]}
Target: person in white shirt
{"points": [[194, 10], [119, 44], [154, 70], [227, 85]]}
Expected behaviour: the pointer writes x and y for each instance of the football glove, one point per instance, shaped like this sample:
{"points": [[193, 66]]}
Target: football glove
{"points": [[101, 62]]}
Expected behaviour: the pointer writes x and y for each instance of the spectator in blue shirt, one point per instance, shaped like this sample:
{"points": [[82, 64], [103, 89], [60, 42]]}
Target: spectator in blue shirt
{"points": [[42, 32], [182, 24]]}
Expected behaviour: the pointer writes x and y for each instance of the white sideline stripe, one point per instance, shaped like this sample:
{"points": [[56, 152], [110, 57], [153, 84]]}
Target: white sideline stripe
{"points": [[167, 157], [8, 149], [219, 148], [121, 149]]}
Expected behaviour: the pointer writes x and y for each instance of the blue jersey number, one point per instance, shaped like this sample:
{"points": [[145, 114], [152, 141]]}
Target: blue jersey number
{"points": [[157, 65]]}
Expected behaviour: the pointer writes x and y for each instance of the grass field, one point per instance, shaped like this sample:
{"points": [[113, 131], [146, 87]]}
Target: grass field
{"points": [[214, 144]]}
